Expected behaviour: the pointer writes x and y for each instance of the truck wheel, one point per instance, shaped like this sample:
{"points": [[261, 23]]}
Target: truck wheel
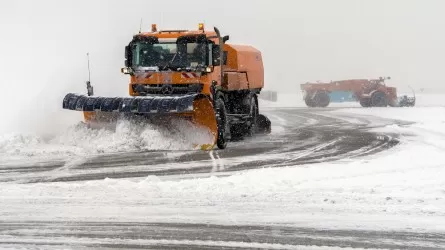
{"points": [[263, 125], [378, 99], [247, 128], [365, 102], [221, 121], [321, 99], [309, 102]]}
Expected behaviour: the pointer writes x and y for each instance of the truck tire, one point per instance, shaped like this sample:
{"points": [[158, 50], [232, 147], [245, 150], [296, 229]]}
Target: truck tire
{"points": [[321, 99], [378, 99], [365, 102], [221, 121], [248, 106], [264, 125], [309, 102]]}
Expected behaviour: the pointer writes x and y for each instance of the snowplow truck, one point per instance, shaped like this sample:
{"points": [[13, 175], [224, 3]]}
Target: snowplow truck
{"points": [[368, 92], [192, 75]]}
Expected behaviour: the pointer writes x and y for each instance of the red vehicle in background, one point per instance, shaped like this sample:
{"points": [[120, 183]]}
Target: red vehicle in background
{"points": [[369, 92]]}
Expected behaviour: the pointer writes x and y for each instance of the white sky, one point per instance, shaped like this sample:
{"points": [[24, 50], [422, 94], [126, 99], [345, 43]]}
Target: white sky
{"points": [[43, 43]]}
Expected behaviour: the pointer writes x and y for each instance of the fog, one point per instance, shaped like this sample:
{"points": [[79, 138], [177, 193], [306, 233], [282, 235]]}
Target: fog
{"points": [[44, 43]]}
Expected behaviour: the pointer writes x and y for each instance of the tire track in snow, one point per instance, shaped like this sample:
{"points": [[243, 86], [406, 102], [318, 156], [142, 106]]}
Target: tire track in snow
{"points": [[121, 235]]}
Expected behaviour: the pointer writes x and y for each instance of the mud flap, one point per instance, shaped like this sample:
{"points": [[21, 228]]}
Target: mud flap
{"points": [[194, 107]]}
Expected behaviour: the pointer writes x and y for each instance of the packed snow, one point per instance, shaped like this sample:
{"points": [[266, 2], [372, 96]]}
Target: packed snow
{"points": [[399, 189]]}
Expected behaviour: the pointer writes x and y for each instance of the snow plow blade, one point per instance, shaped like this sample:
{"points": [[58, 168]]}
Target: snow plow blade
{"points": [[196, 108]]}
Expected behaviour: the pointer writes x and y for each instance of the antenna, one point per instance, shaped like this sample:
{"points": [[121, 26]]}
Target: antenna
{"points": [[90, 89], [140, 27], [89, 71]]}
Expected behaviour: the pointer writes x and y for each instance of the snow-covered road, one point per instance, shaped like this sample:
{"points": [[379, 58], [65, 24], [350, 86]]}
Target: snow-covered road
{"points": [[374, 175], [300, 136]]}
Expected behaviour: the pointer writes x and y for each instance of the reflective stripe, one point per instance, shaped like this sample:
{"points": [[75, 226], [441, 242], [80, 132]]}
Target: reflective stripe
{"points": [[189, 75], [144, 75]]}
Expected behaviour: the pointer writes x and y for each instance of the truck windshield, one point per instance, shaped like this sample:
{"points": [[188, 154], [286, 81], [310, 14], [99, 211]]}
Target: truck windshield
{"points": [[169, 55]]}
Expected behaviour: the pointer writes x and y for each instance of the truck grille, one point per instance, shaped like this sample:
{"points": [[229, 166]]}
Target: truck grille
{"points": [[167, 89]]}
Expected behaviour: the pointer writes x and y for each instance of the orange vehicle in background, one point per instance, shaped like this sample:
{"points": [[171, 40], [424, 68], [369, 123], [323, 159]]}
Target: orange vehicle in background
{"points": [[369, 93], [193, 75]]}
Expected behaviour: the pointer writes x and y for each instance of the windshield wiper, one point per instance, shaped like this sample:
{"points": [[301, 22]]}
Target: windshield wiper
{"points": [[169, 63]]}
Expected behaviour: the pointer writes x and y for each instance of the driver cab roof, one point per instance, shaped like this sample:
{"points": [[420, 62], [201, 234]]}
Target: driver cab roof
{"points": [[178, 33]]}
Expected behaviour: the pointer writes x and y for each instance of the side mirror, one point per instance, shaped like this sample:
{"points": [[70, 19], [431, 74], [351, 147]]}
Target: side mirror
{"points": [[127, 56], [225, 57], [127, 52], [127, 70], [225, 38], [216, 55]]}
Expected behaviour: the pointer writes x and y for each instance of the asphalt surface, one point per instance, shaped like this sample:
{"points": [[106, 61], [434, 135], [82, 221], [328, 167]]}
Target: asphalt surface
{"points": [[300, 136]]}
